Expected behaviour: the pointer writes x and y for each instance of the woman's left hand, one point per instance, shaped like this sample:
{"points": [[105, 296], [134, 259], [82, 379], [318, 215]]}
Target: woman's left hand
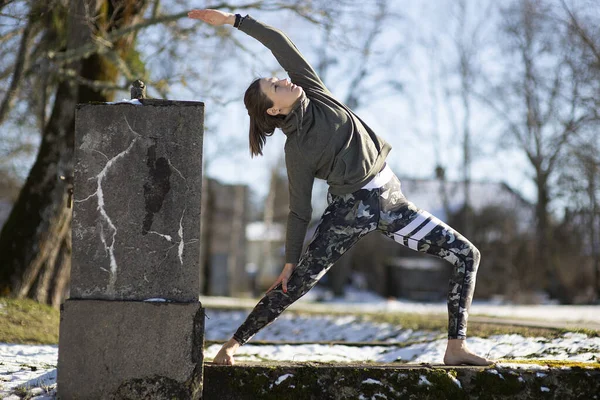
{"points": [[213, 17], [283, 277]]}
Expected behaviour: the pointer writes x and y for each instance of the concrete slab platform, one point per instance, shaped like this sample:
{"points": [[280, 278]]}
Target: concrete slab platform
{"points": [[335, 381]]}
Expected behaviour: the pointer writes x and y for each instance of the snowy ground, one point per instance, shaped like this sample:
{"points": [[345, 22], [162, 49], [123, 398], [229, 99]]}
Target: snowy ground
{"points": [[367, 302], [34, 367], [30, 367], [426, 347]]}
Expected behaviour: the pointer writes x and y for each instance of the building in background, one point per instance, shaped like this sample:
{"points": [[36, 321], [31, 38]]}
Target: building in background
{"points": [[265, 254], [223, 243]]}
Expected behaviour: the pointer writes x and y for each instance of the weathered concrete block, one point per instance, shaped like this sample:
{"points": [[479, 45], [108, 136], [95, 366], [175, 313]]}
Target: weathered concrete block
{"points": [[130, 350], [136, 209], [311, 381]]}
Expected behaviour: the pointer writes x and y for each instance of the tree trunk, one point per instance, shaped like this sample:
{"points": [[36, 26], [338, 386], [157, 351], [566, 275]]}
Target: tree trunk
{"points": [[59, 288], [28, 235], [592, 170], [59, 233], [467, 215], [543, 237]]}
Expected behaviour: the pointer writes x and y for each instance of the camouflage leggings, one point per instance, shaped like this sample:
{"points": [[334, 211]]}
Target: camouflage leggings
{"points": [[350, 217]]}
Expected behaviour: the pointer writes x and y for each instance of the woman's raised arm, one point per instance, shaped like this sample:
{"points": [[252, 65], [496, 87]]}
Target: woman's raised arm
{"points": [[287, 54], [213, 17]]}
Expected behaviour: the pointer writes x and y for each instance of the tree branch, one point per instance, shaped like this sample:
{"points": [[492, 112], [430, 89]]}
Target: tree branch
{"points": [[20, 66], [352, 99], [582, 33], [120, 64], [17, 151], [4, 3], [9, 35], [88, 49], [513, 126], [570, 128], [97, 85]]}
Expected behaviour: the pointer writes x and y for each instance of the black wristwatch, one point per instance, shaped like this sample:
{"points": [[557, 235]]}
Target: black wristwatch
{"points": [[238, 19]]}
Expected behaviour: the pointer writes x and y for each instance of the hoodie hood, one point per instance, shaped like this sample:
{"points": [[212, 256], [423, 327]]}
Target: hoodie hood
{"points": [[295, 119]]}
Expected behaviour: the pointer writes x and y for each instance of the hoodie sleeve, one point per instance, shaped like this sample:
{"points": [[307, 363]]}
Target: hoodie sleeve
{"points": [[300, 181], [286, 53]]}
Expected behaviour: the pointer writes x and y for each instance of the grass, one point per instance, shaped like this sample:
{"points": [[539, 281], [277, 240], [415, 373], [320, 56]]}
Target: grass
{"points": [[22, 392], [433, 322], [439, 323], [28, 322]]}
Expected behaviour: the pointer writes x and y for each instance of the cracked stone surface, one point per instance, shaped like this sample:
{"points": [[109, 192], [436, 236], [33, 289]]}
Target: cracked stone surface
{"points": [[136, 209]]}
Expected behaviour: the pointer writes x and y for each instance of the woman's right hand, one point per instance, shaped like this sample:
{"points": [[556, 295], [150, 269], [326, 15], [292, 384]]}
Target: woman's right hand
{"points": [[213, 17], [284, 277]]}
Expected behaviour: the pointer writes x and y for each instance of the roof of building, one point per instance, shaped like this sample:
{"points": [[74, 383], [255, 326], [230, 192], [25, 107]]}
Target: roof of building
{"points": [[427, 194]]}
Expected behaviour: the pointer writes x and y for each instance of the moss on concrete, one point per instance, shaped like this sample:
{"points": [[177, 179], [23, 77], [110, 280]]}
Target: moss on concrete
{"points": [[345, 381], [151, 388], [556, 363], [155, 388]]}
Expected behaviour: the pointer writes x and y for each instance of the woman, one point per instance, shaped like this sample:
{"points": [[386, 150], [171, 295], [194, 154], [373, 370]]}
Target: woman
{"points": [[326, 140]]}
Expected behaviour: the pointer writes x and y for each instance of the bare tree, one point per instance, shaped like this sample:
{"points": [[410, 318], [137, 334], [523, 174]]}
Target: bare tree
{"points": [[580, 173], [377, 22], [471, 18], [537, 97]]}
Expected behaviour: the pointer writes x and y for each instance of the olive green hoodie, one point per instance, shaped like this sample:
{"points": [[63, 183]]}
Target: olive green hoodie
{"points": [[325, 139]]}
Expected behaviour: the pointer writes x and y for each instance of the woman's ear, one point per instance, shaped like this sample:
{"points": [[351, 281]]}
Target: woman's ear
{"points": [[272, 111]]}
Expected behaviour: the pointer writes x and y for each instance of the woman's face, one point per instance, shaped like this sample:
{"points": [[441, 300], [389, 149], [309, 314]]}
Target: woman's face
{"points": [[282, 93]]}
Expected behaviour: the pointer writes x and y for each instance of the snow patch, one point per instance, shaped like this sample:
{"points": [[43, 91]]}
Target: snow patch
{"points": [[423, 381], [135, 102], [283, 378], [372, 381], [521, 366], [456, 381]]}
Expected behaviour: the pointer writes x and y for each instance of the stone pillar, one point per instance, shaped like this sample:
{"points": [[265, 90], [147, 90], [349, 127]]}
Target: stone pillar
{"points": [[133, 326]]}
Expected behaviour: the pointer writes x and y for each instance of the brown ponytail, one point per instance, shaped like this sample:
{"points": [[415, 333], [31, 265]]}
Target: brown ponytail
{"points": [[261, 123]]}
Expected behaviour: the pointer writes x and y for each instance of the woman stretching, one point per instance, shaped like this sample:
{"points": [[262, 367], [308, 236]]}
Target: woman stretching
{"points": [[326, 140]]}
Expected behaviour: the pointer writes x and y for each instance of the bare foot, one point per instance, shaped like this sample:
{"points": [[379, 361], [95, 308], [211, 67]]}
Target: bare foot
{"points": [[457, 353], [225, 355]]}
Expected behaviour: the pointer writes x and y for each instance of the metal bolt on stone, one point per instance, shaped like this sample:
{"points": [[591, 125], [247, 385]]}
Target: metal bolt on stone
{"points": [[69, 182], [138, 90]]}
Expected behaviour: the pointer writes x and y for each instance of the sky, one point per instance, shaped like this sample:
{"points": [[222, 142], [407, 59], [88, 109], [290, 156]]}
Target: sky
{"points": [[420, 123], [403, 119]]}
